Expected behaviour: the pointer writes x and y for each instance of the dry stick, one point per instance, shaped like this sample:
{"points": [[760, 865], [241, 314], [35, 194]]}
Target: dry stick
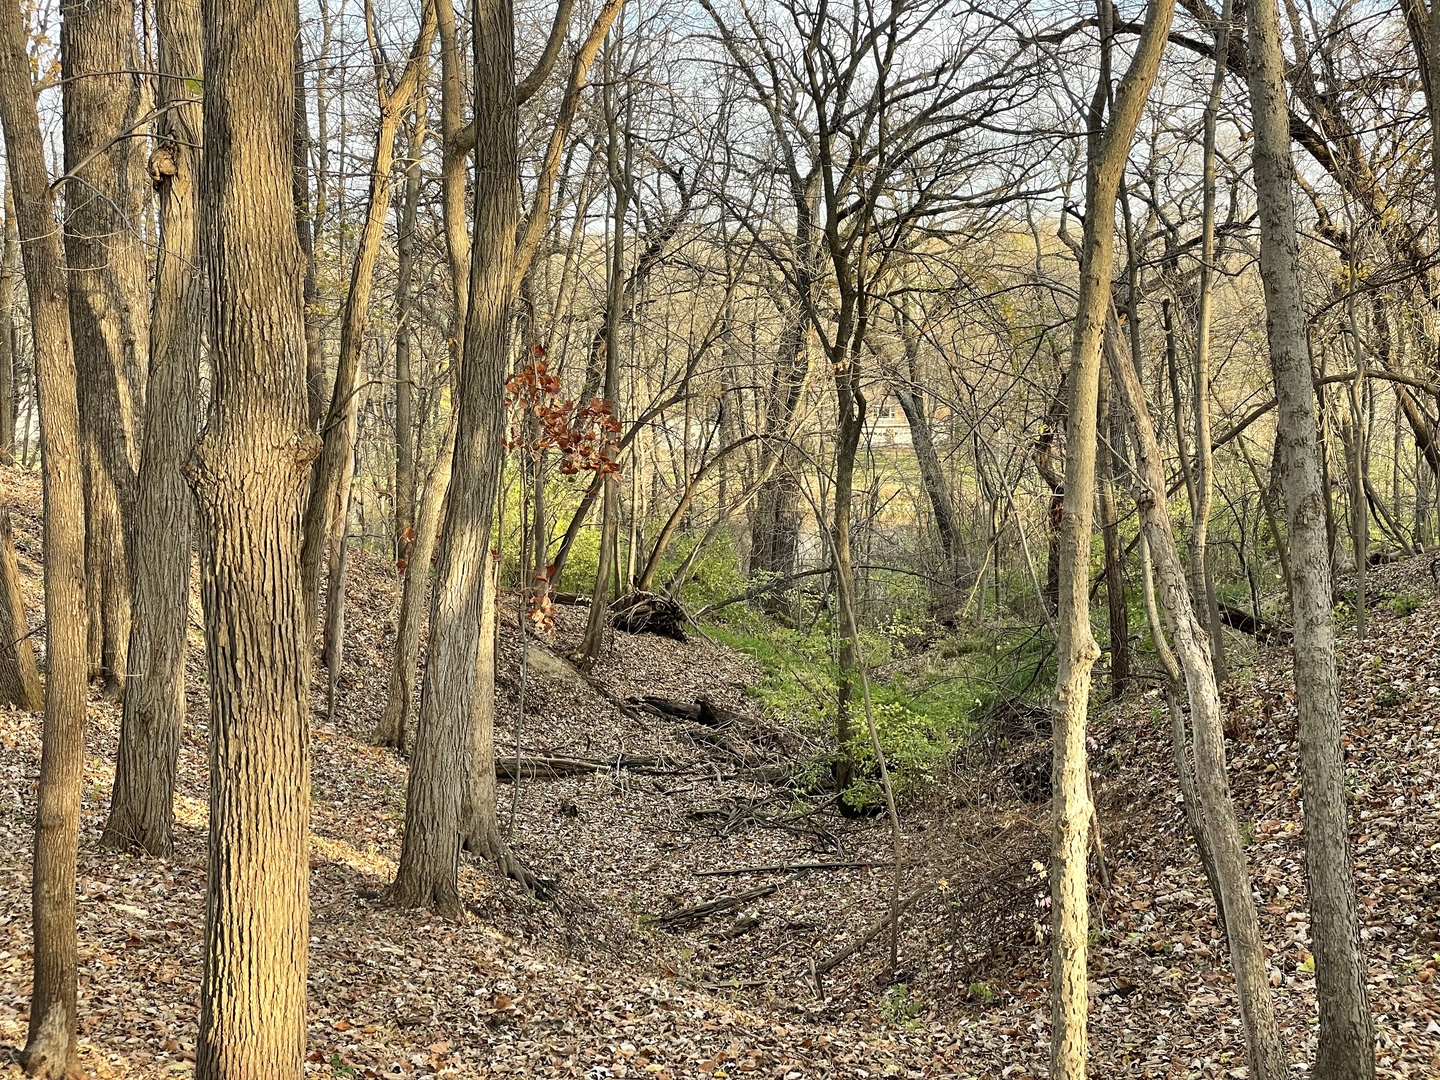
{"points": [[733, 871], [714, 907], [864, 939]]}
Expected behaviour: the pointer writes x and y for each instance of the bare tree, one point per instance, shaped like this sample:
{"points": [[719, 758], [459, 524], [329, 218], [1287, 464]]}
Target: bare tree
{"points": [[1109, 148], [1347, 1034]]}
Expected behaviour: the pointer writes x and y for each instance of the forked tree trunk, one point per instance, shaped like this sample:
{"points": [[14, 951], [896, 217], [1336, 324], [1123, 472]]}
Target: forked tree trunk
{"points": [[249, 473], [1222, 830], [19, 675], [1076, 648], [50, 1044], [1347, 1031], [141, 806], [104, 97]]}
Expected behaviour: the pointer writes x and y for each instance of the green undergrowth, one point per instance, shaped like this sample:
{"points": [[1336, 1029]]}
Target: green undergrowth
{"points": [[930, 691]]}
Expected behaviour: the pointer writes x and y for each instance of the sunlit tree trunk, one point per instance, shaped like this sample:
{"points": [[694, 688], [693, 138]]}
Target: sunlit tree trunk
{"points": [[50, 1044], [250, 473], [1076, 647]]}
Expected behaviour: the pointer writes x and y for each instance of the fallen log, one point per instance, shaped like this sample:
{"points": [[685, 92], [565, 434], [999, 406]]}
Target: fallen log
{"points": [[551, 768], [701, 711], [1265, 632], [648, 613]]}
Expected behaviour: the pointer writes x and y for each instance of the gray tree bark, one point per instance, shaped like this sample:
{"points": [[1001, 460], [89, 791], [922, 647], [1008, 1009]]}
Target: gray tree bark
{"points": [[1347, 1032]]}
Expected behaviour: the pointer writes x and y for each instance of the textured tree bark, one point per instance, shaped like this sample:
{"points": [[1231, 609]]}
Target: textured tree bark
{"points": [[1076, 648], [104, 96], [249, 473], [141, 807], [1347, 1032], [1221, 829], [50, 1044], [19, 675], [430, 849]]}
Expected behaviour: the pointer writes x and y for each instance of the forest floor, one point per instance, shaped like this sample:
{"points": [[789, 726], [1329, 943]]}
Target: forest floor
{"points": [[589, 984]]}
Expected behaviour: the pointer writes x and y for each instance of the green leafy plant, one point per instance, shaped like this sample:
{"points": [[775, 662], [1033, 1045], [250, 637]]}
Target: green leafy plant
{"points": [[1405, 604], [898, 1007]]}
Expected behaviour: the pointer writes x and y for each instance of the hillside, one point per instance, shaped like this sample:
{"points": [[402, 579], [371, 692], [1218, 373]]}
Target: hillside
{"points": [[585, 984]]}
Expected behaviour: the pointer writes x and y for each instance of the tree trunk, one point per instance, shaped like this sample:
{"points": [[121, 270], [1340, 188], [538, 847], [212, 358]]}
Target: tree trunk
{"points": [[141, 806], [932, 476], [104, 97], [249, 473], [1116, 602], [307, 229], [401, 694], [19, 675], [1222, 831], [329, 494], [50, 1045], [620, 181], [1201, 577], [479, 821], [1075, 646], [850, 400], [8, 257], [1347, 1034], [405, 435], [453, 178], [430, 850]]}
